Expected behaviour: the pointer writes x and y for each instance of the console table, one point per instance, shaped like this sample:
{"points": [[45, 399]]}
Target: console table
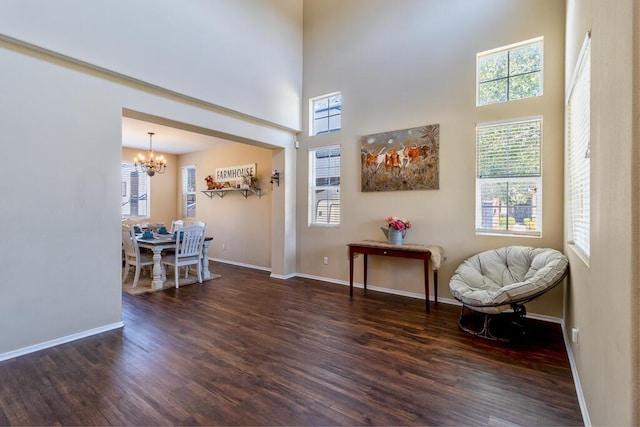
{"points": [[424, 252]]}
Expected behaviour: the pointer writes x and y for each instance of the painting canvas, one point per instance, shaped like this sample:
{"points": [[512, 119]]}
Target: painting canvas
{"points": [[401, 160]]}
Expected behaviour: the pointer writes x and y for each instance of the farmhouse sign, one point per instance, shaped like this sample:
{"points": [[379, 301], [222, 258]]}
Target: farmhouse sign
{"points": [[235, 173]]}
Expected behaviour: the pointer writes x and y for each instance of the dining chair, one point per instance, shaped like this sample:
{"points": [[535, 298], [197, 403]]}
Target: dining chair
{"points": [[176, 225], [187, 251], [133, 256]]}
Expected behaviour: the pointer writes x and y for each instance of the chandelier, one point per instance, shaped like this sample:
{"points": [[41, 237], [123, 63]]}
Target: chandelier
{"points": [[153, 163]]}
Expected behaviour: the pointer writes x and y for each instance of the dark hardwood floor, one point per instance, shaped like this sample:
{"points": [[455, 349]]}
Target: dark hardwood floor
{"points": [[249, 350]]}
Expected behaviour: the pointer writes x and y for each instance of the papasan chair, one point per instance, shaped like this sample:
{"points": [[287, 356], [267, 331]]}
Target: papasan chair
{"points": [[496, 284]]}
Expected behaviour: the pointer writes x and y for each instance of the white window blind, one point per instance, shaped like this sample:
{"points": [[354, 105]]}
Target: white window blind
{"points": [[324, 186], [509, 177], [189, 191], [135, 192], [579, 147]]}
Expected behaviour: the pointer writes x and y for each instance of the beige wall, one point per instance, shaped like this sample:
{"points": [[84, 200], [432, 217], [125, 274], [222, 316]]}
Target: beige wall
{"points": [[164, 187], [242, 225], [52, 85], [225, 52], [409, 63], [602, 297]]}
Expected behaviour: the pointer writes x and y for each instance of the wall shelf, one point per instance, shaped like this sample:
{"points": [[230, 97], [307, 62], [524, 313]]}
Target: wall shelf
{"points": [[221, 192]]}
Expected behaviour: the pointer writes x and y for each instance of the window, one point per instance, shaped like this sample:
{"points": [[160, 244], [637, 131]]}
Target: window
{"points": [[135, 192], [189, 191], [509, 177], [324, 186], [326, 114], [579, 147], [510, 72]]}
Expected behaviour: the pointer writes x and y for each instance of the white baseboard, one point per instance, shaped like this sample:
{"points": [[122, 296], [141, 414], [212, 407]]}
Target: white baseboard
{"points": [[255, 267], [285, 277], [576, 378], [58, 341], [444, 300], [239, 264]]}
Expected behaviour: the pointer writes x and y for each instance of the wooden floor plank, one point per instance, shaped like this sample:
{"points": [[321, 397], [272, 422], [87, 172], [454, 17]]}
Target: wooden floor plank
{"points": [[246, 349]]}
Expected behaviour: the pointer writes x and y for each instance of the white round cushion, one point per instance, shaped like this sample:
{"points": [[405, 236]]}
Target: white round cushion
{"points": [[490, 281]]}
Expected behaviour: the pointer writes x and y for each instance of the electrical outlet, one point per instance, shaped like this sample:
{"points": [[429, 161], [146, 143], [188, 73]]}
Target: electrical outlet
{"points": [[325, 260], [574, 335], [224, 246]]}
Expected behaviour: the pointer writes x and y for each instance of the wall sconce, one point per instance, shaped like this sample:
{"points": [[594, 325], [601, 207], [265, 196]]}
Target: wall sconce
{"points": [[275, 177]]}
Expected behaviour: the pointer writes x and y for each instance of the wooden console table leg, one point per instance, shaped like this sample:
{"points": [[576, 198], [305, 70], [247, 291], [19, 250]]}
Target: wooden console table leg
{"points": [[435, 285], [426, 282], [351, 272], [365, 272]]}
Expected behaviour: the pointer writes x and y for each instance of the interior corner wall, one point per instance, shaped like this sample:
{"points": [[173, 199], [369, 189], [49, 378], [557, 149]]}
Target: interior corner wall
{"points": [[410, 63], [602, 296], [241, 227], [61, 276], [61, 217]]}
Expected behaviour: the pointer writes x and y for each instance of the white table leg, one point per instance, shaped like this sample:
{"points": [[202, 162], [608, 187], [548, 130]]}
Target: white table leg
{"points": [[157, 281], [206, 275]]}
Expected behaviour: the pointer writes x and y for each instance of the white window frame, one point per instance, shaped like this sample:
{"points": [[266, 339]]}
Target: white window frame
{"points": [[509, 76], [578, 124], [186, 191], [333, 114], [125, 175], [324, 214], [509, 210]]}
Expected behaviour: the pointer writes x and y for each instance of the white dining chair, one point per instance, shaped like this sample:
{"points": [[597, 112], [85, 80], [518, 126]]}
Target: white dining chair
{"points": [[133, 256], [176, 225], [187, 252]]}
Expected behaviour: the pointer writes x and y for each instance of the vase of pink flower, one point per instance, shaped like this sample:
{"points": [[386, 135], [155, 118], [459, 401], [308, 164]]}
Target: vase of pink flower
{"points": [[396, 229]]}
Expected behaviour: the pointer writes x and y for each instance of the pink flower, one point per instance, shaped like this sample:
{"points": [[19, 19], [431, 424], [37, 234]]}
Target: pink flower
{"points": [[397, 223]]}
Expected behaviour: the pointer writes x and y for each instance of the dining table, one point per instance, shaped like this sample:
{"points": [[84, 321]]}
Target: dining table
{"points": [[160, 242]]}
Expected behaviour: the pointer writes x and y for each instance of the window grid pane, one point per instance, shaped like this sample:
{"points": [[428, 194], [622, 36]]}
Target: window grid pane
{"points": [[510, 74], [324, 186], [326, 113]]}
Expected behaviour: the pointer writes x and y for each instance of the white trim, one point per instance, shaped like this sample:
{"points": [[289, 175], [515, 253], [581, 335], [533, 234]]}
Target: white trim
{"points": [[280, 276], [508, 48], [240, 264], [311, 101], [443, 300], [110, 74], [586, 44], [576, 378], [576, 250], [511, 46], [512, 121], [58, 341], [322, 279]]}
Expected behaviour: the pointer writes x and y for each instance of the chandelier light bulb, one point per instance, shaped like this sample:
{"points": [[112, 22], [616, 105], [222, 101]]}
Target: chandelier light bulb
{"points": [[154, 164]]}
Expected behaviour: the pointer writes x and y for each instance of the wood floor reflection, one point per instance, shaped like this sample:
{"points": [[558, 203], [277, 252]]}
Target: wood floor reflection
{"points": [[246, 349]]}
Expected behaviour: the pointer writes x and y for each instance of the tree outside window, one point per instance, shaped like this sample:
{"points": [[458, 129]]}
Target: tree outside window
{"points": [[510, 73]]}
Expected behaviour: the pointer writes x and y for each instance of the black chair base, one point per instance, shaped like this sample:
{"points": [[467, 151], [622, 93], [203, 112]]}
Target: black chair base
{"points": [[504, 327]]}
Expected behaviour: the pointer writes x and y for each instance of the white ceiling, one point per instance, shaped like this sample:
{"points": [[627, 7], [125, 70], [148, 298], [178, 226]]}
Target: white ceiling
{"points": [[167, 139]]}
